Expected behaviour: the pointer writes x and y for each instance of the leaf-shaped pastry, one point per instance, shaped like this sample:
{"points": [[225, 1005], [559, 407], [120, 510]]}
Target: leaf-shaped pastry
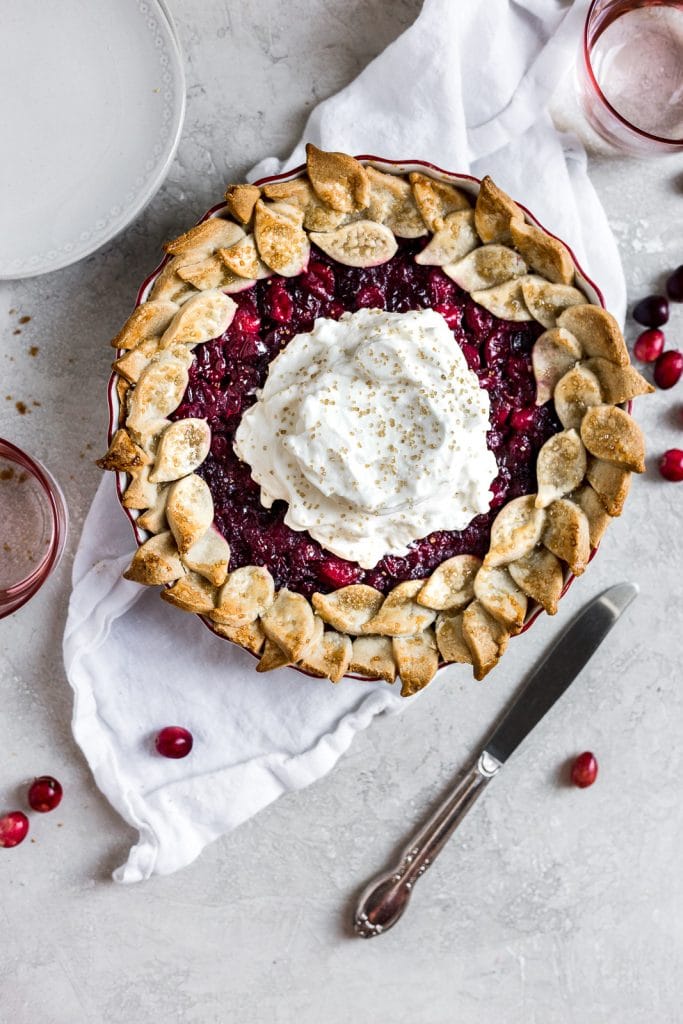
{"points": [[204, 239], [497, 591], [539, 574], [248, 593], [140, 493], [191, 593], [560, 467], [373, 657], [148, 320], [329, 657], [273, 657], [611, 434], [169, 286], [516, 531], [450, 639], [392, 203], [576, 392], [567, 534], [132, 363], [289, 622], [250, 636], [618, 383], [417, 660], [545, 254], [554, 353], [156, 561], [243, 259], [400, 614], [203, 317], [280, 238], [149, 434], [160, 388], [210, 557], [213, 273], [436, 199], [189, 510], [451, 585], [485, 267], [493, 212], [154, 518], [123, 455], [453, 241], [318, 216], [349, 608], [597, 332], [182, 448], [505, 300], [611, 484], [363, 243], [241, 200], [340, 180], [594, 511], [485, 637], [546, 301]]}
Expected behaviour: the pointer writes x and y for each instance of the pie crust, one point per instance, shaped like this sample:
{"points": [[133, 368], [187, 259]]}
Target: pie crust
{"points": [[466, 610]]}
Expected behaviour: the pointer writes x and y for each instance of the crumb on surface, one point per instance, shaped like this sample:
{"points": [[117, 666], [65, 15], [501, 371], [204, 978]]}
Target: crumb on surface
{"points": [[24, 319], [21, 408], [33, 350]]}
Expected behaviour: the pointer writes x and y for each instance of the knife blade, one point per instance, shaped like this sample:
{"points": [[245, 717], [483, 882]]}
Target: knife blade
{"points": [[559, 668], [385, 899]]}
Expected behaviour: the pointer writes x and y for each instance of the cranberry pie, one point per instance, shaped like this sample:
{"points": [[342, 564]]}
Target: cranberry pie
{"points": [[369, 417]]}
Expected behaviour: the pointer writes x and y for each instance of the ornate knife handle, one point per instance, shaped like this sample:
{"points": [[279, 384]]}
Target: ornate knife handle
{"points": [[386, 897]]}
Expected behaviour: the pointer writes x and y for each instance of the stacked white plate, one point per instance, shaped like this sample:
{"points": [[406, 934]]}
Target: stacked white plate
{"points": [[92, 99]]}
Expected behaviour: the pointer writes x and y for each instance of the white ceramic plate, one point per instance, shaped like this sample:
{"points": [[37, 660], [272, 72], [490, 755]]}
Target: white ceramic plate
{"points": [[92, 95]]}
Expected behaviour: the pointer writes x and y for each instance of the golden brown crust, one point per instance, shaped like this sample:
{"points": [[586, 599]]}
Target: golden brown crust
{"points": [[485, 637], [155, 562], [417, 660], [610, 483], [611, 434], [191, 593], [618, 383], [241, 200], [372, 656], [123, 455], [548, 256], [567, 534], [146, 321], [450, 639], [597, 332], [539, 574], [436, 200], [493, 213], [338, 179]]}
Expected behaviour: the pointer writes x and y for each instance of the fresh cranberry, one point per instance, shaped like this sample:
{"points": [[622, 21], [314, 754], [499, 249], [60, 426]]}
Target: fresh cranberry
{"points": [[649, 345], [478, 320], [370, 298], [319, 279], [471, 354], [44, 794], [523, 419], [668, 369], [278, 302], [584, 770], [13, 829], [246, 319], [671, 465], [674, 285], [174, 741], [338, 572], [451, 314], [652, 311]]}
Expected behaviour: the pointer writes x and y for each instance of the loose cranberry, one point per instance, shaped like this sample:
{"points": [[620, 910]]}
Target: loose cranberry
{"points": [[278, 302], [674, 285], [247, 320], [671, 465], [44, 794], [338, 572], [668, 369], [649, 345], [174, 741], [652, 311], [523, 419], [584, 770], [13, 829]]}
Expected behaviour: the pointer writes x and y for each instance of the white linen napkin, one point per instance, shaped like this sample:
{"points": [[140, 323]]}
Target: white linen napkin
{"points": [[467, 88]]}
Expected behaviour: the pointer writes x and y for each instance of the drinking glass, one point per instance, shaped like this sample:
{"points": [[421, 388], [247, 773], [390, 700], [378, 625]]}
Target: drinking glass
{"points": [[33, 526], [630, 74]]}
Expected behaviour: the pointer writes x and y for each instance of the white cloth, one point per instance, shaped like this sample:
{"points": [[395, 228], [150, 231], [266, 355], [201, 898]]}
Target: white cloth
{"points": [[466, 87]]}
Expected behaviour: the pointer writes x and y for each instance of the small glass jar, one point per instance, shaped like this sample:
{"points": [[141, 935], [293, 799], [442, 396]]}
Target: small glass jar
{"points": [[33, 526], [630, 74]]}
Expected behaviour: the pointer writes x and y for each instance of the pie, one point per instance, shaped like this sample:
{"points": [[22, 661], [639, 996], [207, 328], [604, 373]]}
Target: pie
{"points": [[370, 417]]}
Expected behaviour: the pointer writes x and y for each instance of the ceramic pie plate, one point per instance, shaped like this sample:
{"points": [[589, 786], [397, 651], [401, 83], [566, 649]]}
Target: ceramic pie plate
{"points": [[95, 100], [469, 185]]}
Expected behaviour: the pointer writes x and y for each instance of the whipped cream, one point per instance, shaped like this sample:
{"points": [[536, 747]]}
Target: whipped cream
{"points": [[373, 429]]}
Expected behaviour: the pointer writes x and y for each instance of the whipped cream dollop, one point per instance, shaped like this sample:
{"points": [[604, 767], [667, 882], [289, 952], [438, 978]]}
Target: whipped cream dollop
{"points": [[373, 429]]}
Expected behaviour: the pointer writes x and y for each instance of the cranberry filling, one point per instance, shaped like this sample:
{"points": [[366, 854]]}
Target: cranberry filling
{"points": [[228, 370]]}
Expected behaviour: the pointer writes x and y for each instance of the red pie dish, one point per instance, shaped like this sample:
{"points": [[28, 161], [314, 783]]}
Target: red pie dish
{"points": [[267, 308]]}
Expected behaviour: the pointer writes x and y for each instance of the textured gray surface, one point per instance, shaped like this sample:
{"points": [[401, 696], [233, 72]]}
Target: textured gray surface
{"points": [[553, 905]]}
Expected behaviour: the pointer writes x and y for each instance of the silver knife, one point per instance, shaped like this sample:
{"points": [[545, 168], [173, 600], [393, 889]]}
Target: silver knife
{"points": [[386, 898]]}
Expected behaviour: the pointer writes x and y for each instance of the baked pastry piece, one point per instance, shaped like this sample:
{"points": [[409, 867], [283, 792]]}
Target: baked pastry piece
{"points": [[341, 247]]}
